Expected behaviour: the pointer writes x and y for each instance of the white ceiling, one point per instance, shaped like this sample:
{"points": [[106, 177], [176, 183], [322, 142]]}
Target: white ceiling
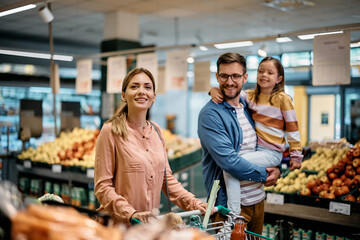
{"points": [[80, 23]]}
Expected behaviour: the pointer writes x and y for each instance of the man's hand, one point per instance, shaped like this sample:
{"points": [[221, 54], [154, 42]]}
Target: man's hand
{"points": [[274, 174], [295, 165]]}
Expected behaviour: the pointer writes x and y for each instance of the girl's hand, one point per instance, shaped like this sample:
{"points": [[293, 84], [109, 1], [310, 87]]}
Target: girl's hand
{"points": [[143, 216], [216, 95], [294, 165]]}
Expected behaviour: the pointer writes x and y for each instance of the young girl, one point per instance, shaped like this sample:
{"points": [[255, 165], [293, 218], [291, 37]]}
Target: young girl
{"points": [[275, 118]]}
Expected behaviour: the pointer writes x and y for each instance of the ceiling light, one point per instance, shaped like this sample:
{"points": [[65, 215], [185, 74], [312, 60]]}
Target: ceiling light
{"points": [[190, 60], [233, 44], [16, 10], [311, 36], [36, 55], [262, 51], [355, 44], [283, 39], [203, 48]]}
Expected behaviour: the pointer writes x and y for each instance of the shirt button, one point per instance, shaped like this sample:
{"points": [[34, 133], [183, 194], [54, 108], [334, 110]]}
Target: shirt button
{"points": [[151, 163], [151, 176], [143, 136], [147, 150]]}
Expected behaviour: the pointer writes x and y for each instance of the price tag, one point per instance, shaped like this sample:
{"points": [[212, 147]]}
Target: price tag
{"points": [[341, 208], [90, 173], [27, 164], [56, 168], [274, 198]]}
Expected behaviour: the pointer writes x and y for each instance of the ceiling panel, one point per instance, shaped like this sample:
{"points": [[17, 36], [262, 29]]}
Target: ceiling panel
{"points": [[170, 22]]}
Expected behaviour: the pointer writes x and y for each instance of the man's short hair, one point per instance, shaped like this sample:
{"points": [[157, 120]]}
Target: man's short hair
{"points": [[230, 58]]}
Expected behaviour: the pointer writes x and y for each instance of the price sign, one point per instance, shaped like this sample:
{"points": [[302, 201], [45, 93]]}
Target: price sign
{"points": [[56, 168], [27, 164], [341, 208], [90, 173], [274, 198]]}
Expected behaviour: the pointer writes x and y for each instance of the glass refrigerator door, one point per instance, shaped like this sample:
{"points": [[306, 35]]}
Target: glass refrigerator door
{"points": [[352, 114]]}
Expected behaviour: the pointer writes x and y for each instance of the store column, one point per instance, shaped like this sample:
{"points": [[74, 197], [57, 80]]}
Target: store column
{"points": [[121, 32]]}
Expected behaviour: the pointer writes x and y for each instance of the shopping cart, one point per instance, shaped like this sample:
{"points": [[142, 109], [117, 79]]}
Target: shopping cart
{"points": [[220, 230]]}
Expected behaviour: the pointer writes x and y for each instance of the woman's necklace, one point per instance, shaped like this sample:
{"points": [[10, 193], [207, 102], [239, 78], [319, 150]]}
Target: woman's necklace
{"points": [[147, 124]]}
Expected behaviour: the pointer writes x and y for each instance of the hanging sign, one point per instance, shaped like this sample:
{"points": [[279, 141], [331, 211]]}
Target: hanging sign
{"points": [[149, 61], [160, 88], [83, 78], [116, 71], [331, 59], [202, 77], [175, 70]]}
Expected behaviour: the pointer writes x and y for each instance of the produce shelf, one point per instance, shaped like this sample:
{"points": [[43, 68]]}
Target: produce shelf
{"points": [[314, 214], [186, 161]]}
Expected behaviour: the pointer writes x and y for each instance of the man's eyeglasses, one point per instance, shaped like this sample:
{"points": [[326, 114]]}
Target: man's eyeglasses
{"points": [[235, 77]]}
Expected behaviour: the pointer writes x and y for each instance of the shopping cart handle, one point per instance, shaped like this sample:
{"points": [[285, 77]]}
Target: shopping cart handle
{"points": [[135, 221], [223, 210]]}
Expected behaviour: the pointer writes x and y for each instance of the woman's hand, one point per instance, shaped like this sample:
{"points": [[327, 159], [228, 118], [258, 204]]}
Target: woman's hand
{"points": [[203, 207], [294, 165], [216, 95], [143, 216]]}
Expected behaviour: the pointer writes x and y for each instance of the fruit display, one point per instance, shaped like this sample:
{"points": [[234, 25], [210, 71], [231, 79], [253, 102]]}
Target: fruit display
{"points": [[293, 182], [177, 146], [76, 148], [324, 158], [340, 178]]}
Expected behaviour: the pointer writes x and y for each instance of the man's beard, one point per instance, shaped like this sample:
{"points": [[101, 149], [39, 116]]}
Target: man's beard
{"points": [[230, 96]]}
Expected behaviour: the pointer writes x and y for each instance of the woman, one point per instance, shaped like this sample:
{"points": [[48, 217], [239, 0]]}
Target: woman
{"points": [[131, 158]]}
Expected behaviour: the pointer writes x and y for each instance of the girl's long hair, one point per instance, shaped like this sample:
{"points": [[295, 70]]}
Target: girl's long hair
{"points": [[118, 120], [279, 87]]}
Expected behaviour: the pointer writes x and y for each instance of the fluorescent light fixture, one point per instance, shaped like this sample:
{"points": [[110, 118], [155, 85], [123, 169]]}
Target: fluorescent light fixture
{"points": [[283, 39], [262, 53], [16, 10], [233, 44], [203, 48], [36, 55], [311, 36], [190, 60], [355, 44]]}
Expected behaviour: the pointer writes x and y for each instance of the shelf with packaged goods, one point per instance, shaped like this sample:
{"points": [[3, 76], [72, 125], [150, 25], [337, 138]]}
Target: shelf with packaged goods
{"points": [[313, 214], [80, 177]]}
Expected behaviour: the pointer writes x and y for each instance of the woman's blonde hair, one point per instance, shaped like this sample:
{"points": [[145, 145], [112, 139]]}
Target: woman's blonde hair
{"points": [[118, 121]]}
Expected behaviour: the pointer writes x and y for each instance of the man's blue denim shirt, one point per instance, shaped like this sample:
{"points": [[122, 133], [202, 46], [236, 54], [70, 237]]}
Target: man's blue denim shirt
{"points": [[221, 139]]}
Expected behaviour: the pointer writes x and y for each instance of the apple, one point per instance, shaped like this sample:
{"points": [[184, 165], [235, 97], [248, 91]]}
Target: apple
{"points": [[316, 190], [322, 193], [330, 170], [356, 163], [62, 155], [324, 179], [357, 179], [343, 177], [332, 176], [349, 154], [346, 182], [356, 152], [350, 173], [337, 182], [305, 191], [338, 192], [350, 198], [311, 183], [348, 167], [358, 199], [345, 190], [358, 170], [330, 195]]}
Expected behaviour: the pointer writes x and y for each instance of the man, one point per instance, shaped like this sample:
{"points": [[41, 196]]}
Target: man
{"points": [[220, 128]]}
